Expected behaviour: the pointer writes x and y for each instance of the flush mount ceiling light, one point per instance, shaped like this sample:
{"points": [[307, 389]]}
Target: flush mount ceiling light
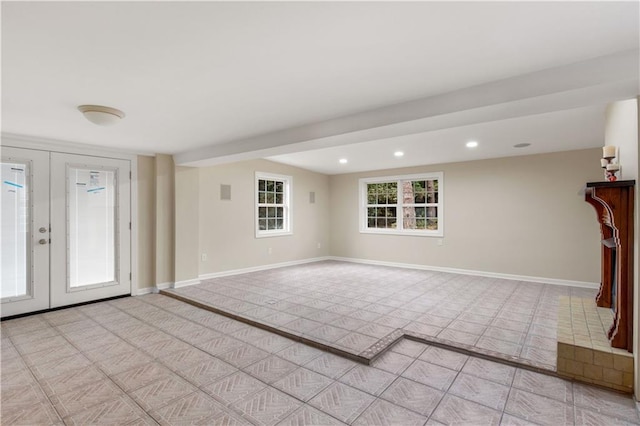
{"points": [[472, 144], [101, 115], [343, 161], [521, 145], [398, 153]]}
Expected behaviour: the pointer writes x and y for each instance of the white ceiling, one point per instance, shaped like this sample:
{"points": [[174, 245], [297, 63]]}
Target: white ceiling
{"points": [[305, 83]]}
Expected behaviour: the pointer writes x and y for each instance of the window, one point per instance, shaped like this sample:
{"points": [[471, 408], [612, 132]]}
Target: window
{"points": [[402, 205], [273, 205]]}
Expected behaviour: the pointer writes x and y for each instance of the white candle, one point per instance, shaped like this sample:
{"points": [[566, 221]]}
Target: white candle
{"points": [[603, 162], [609, 151], [613, 167]]}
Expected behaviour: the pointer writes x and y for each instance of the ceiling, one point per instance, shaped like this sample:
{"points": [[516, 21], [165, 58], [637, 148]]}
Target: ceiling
{"points": [[307, 83]]}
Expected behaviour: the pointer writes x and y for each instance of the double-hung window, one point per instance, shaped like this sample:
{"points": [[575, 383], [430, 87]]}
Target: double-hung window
{"points": [[405, 205], [273, 205]]}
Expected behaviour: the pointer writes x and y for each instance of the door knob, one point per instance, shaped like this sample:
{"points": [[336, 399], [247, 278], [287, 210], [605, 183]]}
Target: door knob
{"points": [[42, 241], [42, 230]]}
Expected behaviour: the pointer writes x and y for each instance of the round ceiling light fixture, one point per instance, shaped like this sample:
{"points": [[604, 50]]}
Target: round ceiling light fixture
{"points": [[472, 144], [343, 161], [521, 145], [398, 153], [101, 115]]}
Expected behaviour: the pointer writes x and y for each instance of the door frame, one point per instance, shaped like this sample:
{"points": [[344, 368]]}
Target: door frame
{"points": [[41, 144]]}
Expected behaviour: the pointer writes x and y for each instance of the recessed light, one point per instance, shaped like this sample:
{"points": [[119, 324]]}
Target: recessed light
{"points": [[521, 145], [472, 144], [343, 161], [398, 153]]}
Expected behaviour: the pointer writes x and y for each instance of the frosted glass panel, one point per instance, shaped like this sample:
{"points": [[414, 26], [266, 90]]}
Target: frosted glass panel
{"points": [[91, 215], [15, 230]]}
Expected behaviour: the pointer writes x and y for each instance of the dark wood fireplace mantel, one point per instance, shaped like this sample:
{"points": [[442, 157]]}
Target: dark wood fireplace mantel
{"points": [[613, 202]]}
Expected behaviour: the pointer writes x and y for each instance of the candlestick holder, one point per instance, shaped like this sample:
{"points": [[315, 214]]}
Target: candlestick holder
{"points": [[610, 168]]}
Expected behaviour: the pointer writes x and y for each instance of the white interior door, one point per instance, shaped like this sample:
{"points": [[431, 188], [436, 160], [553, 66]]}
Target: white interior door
{"points": [[91, 228], [24, 231]]}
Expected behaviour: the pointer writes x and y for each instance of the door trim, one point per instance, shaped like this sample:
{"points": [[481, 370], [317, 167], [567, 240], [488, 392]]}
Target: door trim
{"points": [[52, 145]]}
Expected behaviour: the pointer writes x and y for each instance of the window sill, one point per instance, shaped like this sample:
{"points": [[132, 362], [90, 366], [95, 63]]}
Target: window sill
{"points": [[264, 234], [439, 234]]}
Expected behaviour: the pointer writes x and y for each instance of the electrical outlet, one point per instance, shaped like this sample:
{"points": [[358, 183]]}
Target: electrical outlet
{"points": [[319, 245], [203, 257], [440, 241], [270, 250]]}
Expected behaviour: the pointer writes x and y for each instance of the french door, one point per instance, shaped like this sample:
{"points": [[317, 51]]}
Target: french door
{"points": [[65, 229]]}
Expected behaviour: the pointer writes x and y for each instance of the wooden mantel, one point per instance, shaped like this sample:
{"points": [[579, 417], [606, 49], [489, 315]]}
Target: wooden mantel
{"points": [[613, 202]]}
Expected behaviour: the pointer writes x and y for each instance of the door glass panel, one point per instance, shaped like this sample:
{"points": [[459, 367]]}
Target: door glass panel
{"points": [[15, 239], [92, 220]]}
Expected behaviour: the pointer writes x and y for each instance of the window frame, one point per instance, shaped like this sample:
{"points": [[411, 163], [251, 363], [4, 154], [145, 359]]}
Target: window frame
{"points": [[286, 205], [363, 205]]}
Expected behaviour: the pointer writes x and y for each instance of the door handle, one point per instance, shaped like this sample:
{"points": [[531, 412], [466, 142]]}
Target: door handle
{"points": [[42, 230], [42, 241]]}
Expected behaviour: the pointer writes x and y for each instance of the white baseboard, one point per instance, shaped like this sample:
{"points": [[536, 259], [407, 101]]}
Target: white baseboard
{"points": [[185, 283], [262, 268], [145, 290], [543, 280], [164, 286]]}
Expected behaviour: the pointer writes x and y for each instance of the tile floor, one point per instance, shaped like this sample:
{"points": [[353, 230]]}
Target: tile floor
{"points": [[155, 360], [352, 306]]}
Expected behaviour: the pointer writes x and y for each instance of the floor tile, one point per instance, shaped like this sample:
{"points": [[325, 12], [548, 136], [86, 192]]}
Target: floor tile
{"points": [[207, 372], [392, 362], [538, 409], [39, 413], [307, 416], [342, 401], [189, 409], [267, 407], [499, 346], [122, 362], [161, 392], [141, 375], [444, 358], [243, 356], [330, 365], [586, 417], [299, 353], [458, 336], [542, 384], [382, 412], [79, 399], [270, 369], [233, 388], [409, 348], [482, 391], [490, 370], [455, 410], [431, 375], [368, 379], [71, 379], [303, 384], [59, 366], [413, 395], [605, 401]]}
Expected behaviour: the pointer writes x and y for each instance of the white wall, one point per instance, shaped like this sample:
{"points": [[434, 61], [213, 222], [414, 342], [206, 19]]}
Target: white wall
{"points": [[517, 215], [621, 130], [227, 228]]}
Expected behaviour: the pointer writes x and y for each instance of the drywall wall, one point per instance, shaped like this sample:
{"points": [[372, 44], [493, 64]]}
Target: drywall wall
{"points": [[186, 229], [621, 130], [146, 223], [517, 215], [164, 234], [227, 227]]}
